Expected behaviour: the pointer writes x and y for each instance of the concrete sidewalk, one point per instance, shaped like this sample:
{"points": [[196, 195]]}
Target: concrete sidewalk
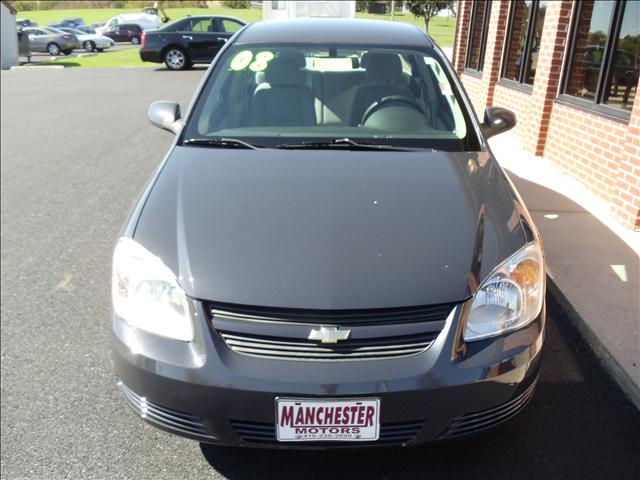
{"points": [[593, 265]]}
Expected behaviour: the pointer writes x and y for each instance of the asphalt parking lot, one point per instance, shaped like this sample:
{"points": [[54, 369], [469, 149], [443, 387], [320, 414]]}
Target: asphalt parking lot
{"points": [[76, 152]]}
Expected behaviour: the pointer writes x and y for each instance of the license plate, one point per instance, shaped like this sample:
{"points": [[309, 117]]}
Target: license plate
{"points": [[344, 420]]}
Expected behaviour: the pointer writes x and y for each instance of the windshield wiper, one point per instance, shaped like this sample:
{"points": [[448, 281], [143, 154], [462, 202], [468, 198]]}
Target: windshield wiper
{"points": [[345, 143], [220, 143]]}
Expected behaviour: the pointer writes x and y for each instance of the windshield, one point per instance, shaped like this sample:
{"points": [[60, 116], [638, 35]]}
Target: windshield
{"points": [[271, 95]]}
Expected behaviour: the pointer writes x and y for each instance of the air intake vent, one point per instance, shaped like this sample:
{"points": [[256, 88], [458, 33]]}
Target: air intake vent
{"points": [[476, 422], [166, 418], [390, 434]]}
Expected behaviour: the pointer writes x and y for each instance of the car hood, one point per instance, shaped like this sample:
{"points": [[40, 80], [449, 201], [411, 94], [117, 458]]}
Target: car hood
{"points": [[330, 229]]}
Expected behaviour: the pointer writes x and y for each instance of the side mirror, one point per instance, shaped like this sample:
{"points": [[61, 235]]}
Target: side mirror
{"points": [[497, 120], [165, 115]]}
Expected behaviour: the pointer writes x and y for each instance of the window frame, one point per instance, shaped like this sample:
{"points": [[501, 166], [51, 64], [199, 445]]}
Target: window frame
{"points": [[596, 105], [519, 84], [483, 39]]}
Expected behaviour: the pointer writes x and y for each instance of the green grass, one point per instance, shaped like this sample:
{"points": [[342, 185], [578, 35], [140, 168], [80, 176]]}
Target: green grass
{"points": [[440, 28], [96, 15]]}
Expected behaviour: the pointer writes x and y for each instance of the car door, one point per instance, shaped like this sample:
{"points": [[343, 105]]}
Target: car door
{"points": [[225, 28], [200, 38], [110, 32], [38, 40], [122, 34]]}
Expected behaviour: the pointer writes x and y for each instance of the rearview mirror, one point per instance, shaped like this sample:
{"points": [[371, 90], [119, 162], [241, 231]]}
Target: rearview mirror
{"points": [[497, 120], [165, 115]]}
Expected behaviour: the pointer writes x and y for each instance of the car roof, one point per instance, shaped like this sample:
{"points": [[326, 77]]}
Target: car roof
{"points": [[335, 30], [222, 17]]}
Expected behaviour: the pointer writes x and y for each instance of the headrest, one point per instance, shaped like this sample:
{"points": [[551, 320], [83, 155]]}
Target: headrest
{"points": [[382, 67], [295, 56], [283, 71]]}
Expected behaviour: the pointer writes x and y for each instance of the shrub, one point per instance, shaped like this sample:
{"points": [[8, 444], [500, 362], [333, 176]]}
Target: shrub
{"points": [[237, 4]]}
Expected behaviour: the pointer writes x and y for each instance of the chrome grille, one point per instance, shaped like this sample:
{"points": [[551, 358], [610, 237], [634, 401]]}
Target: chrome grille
{"points": [[352, 349], [378, 316]]}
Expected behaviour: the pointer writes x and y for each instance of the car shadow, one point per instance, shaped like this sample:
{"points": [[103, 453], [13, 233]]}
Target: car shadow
{"points": [[57, 63], [578, 425], [165, 69]]}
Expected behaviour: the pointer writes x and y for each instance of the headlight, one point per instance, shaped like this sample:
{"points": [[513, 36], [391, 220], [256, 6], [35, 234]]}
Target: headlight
{"points": [[146, 293], [510, 298]]}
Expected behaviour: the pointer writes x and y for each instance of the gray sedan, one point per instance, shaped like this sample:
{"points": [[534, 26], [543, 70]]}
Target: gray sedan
{"points": [[51, 41], [329, 254]]}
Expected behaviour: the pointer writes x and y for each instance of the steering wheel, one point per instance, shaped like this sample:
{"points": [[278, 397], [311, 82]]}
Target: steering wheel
{"points": [[388, 101]]}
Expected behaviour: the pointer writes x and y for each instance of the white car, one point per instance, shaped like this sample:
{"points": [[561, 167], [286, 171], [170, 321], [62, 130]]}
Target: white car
{"points": [[146, 21], [90, 41]]}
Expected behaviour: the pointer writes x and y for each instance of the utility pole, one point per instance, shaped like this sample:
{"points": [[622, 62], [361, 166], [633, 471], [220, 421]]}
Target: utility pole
{"points": [[393, 9]]}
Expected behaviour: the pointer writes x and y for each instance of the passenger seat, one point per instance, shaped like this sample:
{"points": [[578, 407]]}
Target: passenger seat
{"points": [[383, 79], [284, 99]]}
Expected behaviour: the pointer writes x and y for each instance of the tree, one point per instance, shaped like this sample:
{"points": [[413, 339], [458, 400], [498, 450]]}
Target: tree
{"points": [[362, 6], [427, 8]]}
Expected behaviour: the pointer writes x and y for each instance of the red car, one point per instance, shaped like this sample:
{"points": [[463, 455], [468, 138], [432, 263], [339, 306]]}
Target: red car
{"points": [[125, 32]]}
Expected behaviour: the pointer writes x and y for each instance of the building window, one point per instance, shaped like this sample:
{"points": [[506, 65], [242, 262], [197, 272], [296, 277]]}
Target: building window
{"points": [[604, 55], [523, 40], [478, 35]]}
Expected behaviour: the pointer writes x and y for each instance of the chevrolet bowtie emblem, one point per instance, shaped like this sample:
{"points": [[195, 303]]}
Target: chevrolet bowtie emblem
{"points": [[329, 334]]}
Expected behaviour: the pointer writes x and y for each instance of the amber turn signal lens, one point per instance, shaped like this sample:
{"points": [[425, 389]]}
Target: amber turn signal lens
{"points": [[526, 272]]}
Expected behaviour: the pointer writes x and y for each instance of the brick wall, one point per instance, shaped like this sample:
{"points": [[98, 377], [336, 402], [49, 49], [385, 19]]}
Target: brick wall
{"points": [[603, 154], [493, 52], [475, 89], [547, 79], [587, 147], [461, 35], [481, 88], [516, 101], [626, 198]]}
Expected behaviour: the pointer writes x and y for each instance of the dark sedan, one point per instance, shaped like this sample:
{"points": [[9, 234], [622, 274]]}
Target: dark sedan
{"points": [[188, 40], [125, 32], [329, 254]]}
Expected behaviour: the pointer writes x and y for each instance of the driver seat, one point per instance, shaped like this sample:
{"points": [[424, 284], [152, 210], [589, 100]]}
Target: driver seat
{"points": [[383, 79]]}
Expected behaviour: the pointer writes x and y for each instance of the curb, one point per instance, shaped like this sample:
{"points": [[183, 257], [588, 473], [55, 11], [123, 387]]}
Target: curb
{"points": [[37, 67], [629, 387]]}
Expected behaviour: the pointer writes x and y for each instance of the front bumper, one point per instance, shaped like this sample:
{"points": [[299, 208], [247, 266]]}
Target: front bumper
{"points": [[205, 391], [100, 43]]}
